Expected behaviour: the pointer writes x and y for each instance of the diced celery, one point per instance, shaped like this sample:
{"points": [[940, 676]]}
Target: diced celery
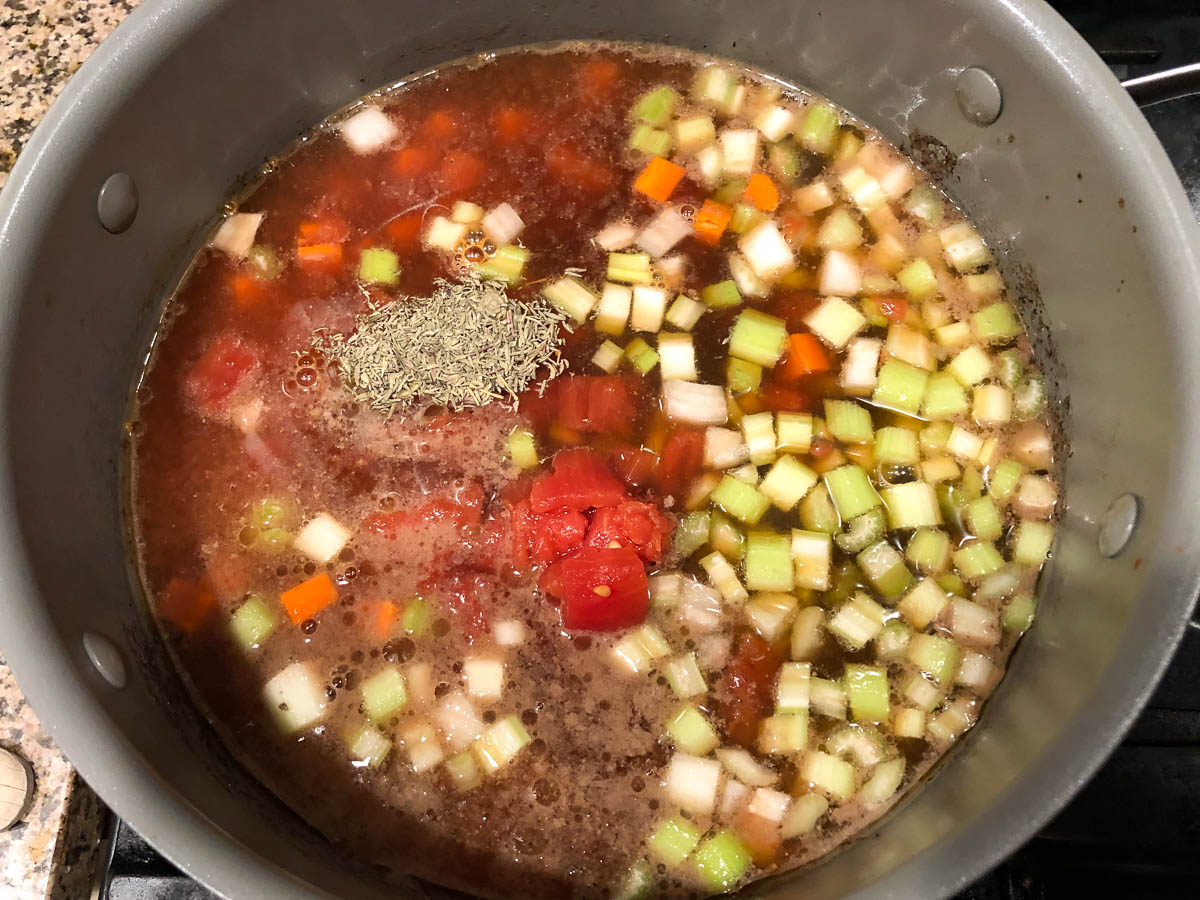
{"points": [[783, 733], [976, 559], [673, 841], [923, 603], [368, 747], [884, 782], [970, 366], [758, 338], [723, 577], [908, 723], [742, 376], [416, 618], [639, 650], [684, 676], [608, 357], [897, 446], [832, 775], [995, 323], [759, 432], [270, 513], [1018, 614], [901, 386], [691, 533], [951, 583], [384, 693], [522, 448], [641, 355], [848, 422], [792, 691], [719, 87], [742, 501], [721, 294], [933, 438], [991, 404], [851, 491], [726, 538], [944, 397], [253, 622], [505, 265], [892, 641], [768, 562], [1004, 478], [684, 313], [655, 107], [463, 772], [928, 550], [647, 139], [666, 590], [984, 519], [722, 861], [857, 621], [867, 692], [501, 743], [629, 268], [918, 280], [1010, 369], [817, 512], [911, 505], [571, 296], [924, 203], [793, 432], [770, 612], [819, 128], [863, 531], [784, 161], [920, 691], [613, 312], [835, 321], [811, 556], [1031, 545], [694, 132], [692, 733], [378, 265], [826, 698], [934, 655], [731, 191], [745, 217], [787, 481], [1030, 398], [885, 569]]}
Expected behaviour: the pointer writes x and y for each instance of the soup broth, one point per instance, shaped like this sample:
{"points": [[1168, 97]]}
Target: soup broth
{"points": [[598, 471]]}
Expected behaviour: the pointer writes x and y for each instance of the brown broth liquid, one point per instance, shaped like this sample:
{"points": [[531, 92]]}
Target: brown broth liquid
{"points": [[570, 815]]}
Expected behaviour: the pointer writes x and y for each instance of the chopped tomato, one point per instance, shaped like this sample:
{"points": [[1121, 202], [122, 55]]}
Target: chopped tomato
{"points": [[439, 126], [580, 480], [604, 589], [595, 403], [744, 693], [760, 836], [796, 229], [219, 371], [567, 164], [551, 580], [633, 524], [415, 160], [462, 171], [462, 595], [573, 396], [463, 508], [512, 125], [540, 409], [403, 231], [895, 309], [680, 463], [634, 465], [598, 79], [779, 398], [542, 538], [186, 603]]}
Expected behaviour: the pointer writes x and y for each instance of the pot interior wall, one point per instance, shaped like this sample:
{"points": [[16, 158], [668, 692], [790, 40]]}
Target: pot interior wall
{"points": [[196, 93]]}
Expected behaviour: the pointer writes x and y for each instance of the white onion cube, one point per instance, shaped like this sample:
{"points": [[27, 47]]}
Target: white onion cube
{"points": [[739, 148], [236, 234], [692, 782], [648, 308], [443, 234], [458, 720], [295, 697], [510, 632], [322, 538], [665, 230], [502, 224], [424, 751], [698, 404], [840, 274], [767, 251], [368, 130], [484, 677]]}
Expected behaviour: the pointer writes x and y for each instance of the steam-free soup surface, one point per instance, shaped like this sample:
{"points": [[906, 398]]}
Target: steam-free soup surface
{"points": [[592, 473]]}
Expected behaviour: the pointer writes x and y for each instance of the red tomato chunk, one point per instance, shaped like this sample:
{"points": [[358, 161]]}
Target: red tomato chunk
{"points": [[219, 371], [580, 480], [637, 526], [744, 694], [604, 589]]}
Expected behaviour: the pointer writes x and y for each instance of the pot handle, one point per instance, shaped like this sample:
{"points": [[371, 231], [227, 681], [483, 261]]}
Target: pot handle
{"points": [[1170, 84]]}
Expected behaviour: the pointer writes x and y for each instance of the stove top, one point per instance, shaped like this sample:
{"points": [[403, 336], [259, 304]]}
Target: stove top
{"points": [[1134, 831]]}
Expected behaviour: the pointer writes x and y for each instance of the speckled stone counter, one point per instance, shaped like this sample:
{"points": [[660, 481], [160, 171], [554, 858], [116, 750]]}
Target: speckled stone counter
{"points": [[54, 850]]}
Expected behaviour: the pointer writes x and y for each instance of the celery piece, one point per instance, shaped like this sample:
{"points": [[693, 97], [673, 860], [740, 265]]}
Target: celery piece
{"points": [[253, 622], [416, 618], [770, 611], [759, 432], [684, 313], [983, 519], [901, 386], [819, 128], [270, 513], [811, 555], [742, 376], [745, 217], [817, 512], [758, 338], [501, 743], [722, 861], [384, 693], [463, 772], [692, 733], [839, 231], [655, 107], [928, 550], [945, 398], [629, 268], [1031, 544], [911, 505], [639, 650], [742, 501], [608, 357], [274, 539], [848, 422], [885, 569], [866, 692], [722, 294], [726, 538], [369, 747], [970, 366], [934, 655], [784, 161], [1030, 398], [378, 265], [832, 775], [923, 603], [972, 483], [792, 692], [571, 296], [673, 841], [995, 323], [646, 139], [933, 439], [1009, 369], [897, 446], [1018, 614], [783, 733], [884, 782], [793, 432], [863, 531], [505, 265], [892, 641], [1004, 478], [723, 577], [857, 621], [835, 321], [952, 584], [923, 203], [975, 559], [684, 676], [691, 533], [694, 132], [731, 192], [768, 561], [638, 883], [851, 491], [787, 481], [522, 448], [918, 280], [641, 355]]}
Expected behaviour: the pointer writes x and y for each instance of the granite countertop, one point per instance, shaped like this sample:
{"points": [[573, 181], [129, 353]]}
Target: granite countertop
{"points": [[52, 852]]}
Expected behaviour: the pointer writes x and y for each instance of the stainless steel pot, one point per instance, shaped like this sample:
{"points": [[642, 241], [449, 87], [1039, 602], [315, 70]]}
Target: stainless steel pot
{"points": [[1068, 182]]}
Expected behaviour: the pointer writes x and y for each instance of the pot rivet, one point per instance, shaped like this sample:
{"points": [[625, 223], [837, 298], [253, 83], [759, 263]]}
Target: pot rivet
{"points": [[117, 203], [978, 95], [105, 656], [1117, 525]]}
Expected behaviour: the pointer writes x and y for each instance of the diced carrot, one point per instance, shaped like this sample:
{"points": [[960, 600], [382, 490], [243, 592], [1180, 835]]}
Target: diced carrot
{"points": [[598, 78], [403, 231], [384, 618], [778, 398], [895, 309], [512, 124], [797, 229], [414, 160], [761, 191], [461, 171], [248, 290], [711, 221], [186, 603], [568, 164], [659, 179], [323, 231], [805, 356], [320, 256], [439, 125], [308, 598]]}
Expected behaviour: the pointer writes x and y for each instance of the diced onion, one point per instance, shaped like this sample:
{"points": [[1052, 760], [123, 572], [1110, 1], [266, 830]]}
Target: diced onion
{"points": [[665, 230], [615, 236], [510, 632], [295, 697], [322, 538], [236, 234], [692, 782], [840, 274], [767, 251], [860, 371], [745, 768], [769, 804], [677, 357], [739, 148], [368, 130], [502, 224], [724, 448], [444, 234], [458, 720], [696, 404], [484, 677]]}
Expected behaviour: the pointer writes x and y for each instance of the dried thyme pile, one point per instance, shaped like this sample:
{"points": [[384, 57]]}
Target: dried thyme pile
{"points": [[468, 345]]}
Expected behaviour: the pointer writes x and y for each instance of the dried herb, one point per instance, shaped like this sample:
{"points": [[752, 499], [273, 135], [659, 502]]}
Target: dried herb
{"points": [[467, 345]]}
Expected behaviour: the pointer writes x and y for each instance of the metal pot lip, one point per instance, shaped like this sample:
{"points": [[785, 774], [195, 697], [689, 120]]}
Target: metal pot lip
{"points": [[48, 670]]}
